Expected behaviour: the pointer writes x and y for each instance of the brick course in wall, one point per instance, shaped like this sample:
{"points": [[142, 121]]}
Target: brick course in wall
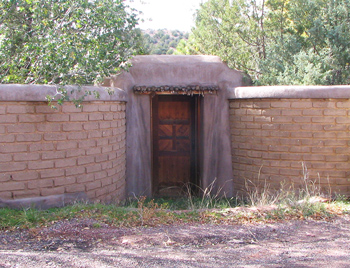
{"points": [[284, 141], [46, 152]]}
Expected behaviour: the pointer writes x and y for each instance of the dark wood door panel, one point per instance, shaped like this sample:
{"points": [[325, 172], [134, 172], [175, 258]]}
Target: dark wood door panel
{"points": [[174, 171], [173, 119]]}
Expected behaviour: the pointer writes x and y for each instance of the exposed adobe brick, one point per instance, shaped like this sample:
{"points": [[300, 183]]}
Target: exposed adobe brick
{"points": [[95, 117], [19, 109], [31, 118], [85, 178], [7, 138], [51, 173], [104, 125], [68, 162], [94, 134], [72, 127], [101, 176], [83, 160], [301, 104], [322, 104], [53, 155], [13, 148], [290, 112], [74, 152], [22, 128], [5, 177], [104, 107], [26, 156], [64, 181], [3, 107], [8, 119], [49, 127], [93, 151], [42, 135], [25, 176], [34, 165], [77, 136], [90, 108], [52, 191], [29, 137], [11, 186], [323, 119], [26, 193], [70, 108], [280, 104], [318, 134], [93, 168], [55, 136], [57, 117], [74, 170], [36, 147], [5, 158], [91, 125], [75, 188], [42, 183], [107, 133], [45, 109], [93, 185], [312, 112], [108, 117], [334, 112], [79, 117], [67, 145]]}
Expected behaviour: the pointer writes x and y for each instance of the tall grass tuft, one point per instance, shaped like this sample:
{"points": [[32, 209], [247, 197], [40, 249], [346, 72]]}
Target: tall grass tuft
{"points": [[261, 194]]}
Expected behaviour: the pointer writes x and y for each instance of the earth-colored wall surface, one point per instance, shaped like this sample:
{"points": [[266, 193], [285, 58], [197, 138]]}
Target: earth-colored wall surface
{"points": [[215, 165], [46, 152], [291, 140]]}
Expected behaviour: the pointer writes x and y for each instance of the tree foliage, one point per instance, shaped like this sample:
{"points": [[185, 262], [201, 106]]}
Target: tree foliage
{"points": [[278, 41], [162, 41], [64, 41]]}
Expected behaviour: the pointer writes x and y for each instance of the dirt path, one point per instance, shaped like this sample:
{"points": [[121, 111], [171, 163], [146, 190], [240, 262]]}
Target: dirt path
{"points": [[78, 244]]}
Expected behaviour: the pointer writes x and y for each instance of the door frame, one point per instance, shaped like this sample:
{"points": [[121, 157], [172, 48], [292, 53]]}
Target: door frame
{"points": [[195, 103]]}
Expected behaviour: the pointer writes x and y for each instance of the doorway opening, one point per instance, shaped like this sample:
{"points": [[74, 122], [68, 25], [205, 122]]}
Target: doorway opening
{"points": [[175, 142]]}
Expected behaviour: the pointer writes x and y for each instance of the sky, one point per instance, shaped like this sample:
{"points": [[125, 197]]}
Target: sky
{"points": [[168, 14]]}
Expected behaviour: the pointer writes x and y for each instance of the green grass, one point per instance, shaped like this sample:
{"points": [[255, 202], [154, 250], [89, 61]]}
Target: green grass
{"points": [[153, 212], [284, 204]]}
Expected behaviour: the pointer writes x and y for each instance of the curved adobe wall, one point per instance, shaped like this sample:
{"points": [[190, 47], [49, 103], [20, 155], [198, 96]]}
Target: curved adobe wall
{"points": [[277, 130], [47, 152]]}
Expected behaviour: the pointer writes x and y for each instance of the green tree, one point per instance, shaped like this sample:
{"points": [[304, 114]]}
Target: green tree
{"points": [[64, 41], [233, 30], [312, 46], [279, 41], [187, 47], [161, 42]]}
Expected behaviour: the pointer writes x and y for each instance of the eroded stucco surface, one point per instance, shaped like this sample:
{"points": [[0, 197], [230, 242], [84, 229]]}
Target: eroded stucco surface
{"points": [[215, 146]]}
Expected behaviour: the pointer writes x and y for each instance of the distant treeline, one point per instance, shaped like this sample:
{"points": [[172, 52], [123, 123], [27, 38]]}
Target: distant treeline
{"points": [[161, 42]]}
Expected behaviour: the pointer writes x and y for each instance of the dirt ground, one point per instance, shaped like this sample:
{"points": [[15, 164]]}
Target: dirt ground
{"points": [[82, 244]]}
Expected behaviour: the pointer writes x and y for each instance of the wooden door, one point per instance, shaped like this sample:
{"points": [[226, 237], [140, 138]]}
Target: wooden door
{"points": [[174, 143]]}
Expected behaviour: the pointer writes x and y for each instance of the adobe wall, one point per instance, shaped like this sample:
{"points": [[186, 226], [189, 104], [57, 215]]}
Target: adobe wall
{"points": [[215, 167], [277, 130], [47, 152]]}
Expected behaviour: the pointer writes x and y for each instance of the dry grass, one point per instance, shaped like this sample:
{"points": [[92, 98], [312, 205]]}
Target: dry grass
{"points": [[260, 204]]}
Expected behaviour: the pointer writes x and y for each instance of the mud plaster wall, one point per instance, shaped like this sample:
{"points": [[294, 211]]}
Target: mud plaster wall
{"points": [[289, 134], [47, 152], [215, 154]]}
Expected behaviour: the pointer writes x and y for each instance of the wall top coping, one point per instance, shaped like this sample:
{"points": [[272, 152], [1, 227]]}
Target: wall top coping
{"points": [[16, 92], [290, 92], [173, 70]]}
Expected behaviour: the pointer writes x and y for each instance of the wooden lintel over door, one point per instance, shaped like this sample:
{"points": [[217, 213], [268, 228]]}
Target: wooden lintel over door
{"points": [[175, 124]]}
